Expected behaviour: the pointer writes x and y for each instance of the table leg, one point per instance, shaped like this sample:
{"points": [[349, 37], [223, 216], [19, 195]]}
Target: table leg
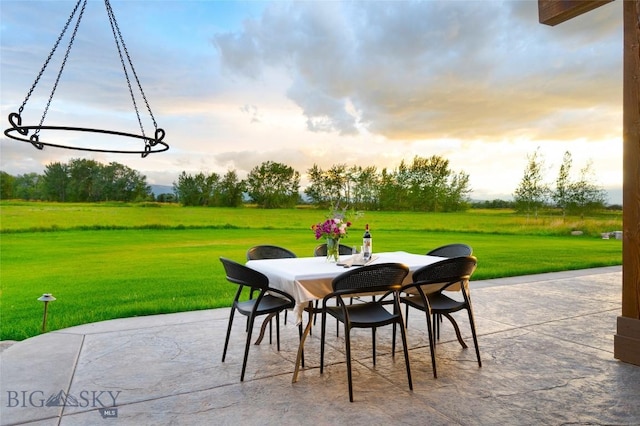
{"points": [[264, 327], [307, 330]]}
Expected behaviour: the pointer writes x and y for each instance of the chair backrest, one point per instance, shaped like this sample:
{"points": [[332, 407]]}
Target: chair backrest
{"points": [[321, 250], [372, 278], [446, 272], [269, 252], [451, 250], [243, 275]]}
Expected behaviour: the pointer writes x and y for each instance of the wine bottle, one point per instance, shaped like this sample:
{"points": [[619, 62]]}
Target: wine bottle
{"points": [[366, 244]]}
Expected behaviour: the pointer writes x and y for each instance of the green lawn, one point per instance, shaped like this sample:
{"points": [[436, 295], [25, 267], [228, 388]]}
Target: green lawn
{"points": [[111, 261]]}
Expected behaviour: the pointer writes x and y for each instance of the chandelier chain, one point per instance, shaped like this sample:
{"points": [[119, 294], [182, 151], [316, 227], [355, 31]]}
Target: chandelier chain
{"points": [[64, 62], [116, 29], [46, 62]]}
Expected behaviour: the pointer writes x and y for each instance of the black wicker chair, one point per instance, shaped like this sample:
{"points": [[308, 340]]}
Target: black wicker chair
{"points": [[265, 303], [448, 250], [382, 278], [451, 250], [269, 252], [426, 294], [321, 250]]}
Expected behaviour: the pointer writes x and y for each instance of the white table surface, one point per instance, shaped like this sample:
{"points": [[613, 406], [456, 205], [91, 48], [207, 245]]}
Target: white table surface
{"points": [[309, 278]]}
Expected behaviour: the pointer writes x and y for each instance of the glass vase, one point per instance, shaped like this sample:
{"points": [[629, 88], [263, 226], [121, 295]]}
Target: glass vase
{"points": [[333, 250]]}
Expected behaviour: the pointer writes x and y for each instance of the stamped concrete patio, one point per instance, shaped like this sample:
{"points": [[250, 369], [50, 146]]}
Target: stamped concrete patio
{"points": [[546, 343]]}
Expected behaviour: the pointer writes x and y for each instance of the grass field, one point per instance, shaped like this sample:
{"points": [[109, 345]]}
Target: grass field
{"points": [[106, 261]]}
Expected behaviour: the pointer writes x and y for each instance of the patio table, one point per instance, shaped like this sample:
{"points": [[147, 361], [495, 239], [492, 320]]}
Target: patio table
{"points": [[308, 279]]}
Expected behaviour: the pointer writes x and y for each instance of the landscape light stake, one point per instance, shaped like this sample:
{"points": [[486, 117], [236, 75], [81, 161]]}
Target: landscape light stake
{"points": [[46, 298]]}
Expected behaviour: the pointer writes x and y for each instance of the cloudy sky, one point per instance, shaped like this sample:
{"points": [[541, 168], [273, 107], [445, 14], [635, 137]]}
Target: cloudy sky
{"points": [[234, 84]]}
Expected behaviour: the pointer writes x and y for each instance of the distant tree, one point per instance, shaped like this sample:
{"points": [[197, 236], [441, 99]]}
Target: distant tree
{"points": [[28, 186], [187, 191], [166, 198], [389, 193], [317, 191], [209, 190], [586, 196], [329, 187], [404, 196], [231, 189], [56, 181], [531, 193], [6, 185], [121, 183], [84, 180], [457, 193], [365, 188], [493, 204], [433, 186], [273, 185], [337, 183], [562, 193]]}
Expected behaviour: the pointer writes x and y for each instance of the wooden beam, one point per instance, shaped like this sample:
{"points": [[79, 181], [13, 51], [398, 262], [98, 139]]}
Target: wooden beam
{"points": [[631, 162], [554, 12], [627, 339]]}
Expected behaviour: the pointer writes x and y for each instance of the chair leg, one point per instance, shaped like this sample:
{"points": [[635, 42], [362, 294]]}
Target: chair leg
{"points": [[403, 333], [278, 330], [456, 328], [406, 315], [373, 344], [347, 341], [432, 345], [315, 308], [226, 340], [475, 338], [393, 341], [246, 348], [323, 329]]}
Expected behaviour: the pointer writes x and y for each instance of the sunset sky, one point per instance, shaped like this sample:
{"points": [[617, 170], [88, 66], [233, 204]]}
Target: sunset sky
{"points": [[234, 84]]}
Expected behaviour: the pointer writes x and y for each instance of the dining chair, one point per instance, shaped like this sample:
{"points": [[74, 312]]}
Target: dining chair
{"points": [[268, 301], [426, 293], [451, 250], [266, 251], [321, 250], [447, 250], [381, 278], [269, 252]]}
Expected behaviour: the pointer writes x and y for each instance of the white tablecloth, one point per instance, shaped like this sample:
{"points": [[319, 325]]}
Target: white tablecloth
{"points": [[309, 278]]}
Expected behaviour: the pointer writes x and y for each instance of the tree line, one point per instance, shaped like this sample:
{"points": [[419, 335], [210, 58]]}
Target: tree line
{"points": [[424, 184], [577, 196], [79, 180]]}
